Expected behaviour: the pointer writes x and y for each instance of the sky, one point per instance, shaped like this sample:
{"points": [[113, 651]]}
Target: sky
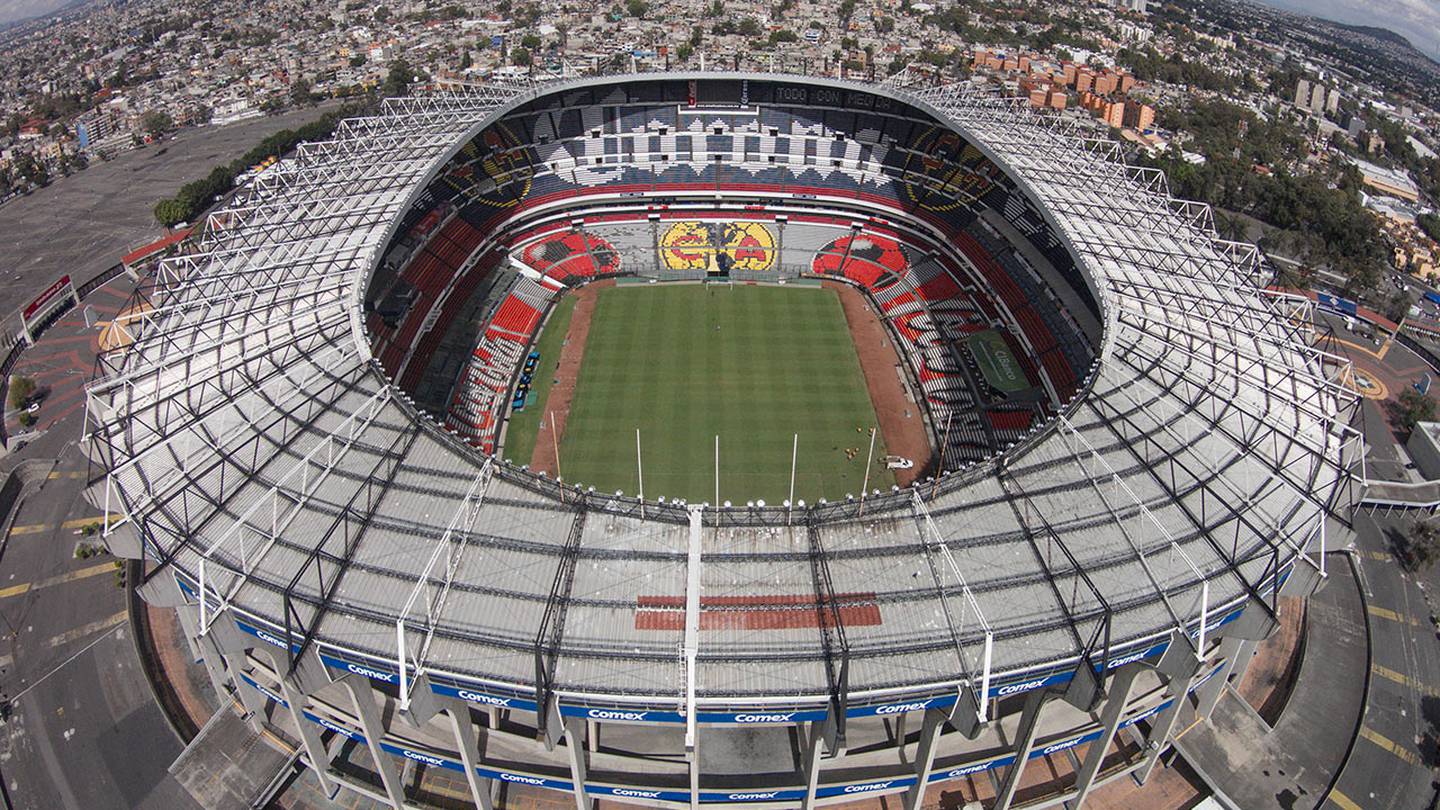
{"points": [[1416, 20]]}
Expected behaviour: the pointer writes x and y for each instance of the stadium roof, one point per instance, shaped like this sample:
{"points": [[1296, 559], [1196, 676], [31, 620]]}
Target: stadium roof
{"points": [[261, 454]]}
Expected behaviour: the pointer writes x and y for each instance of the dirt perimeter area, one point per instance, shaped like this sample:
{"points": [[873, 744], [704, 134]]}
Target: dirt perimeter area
{"points": [[567, 374], [901, 421]]}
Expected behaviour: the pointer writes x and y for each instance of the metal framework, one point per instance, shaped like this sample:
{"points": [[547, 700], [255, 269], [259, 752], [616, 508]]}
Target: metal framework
{"points": [[253, 447]]}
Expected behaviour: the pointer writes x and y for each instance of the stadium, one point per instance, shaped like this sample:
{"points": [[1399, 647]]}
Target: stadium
{"points": [[720, 438]]}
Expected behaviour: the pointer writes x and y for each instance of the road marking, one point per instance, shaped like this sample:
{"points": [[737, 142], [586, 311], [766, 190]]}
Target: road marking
{"points": [[1389, 745], [59, 579], [36, 528], [1375, 555], [1386, 613], [67, 474], [1404, 680], [1342, 801], [87, 629]]}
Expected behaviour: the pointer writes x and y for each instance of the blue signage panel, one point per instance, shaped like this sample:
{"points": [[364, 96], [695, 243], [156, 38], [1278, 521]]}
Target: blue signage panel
{"points": [[422, 757], [639, 793], [762, 718], [482, 698], [753, 796], [936, 702], [1336, 303], [622, 715], [865, 787], [373, 672]]}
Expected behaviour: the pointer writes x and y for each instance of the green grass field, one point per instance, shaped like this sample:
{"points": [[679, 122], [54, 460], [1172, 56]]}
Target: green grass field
{"points": [[524, 425], [754, 365]]}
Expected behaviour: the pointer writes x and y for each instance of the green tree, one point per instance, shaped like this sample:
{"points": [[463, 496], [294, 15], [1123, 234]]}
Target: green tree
{"points": [[301, 94], [530, 42], [156, 122], [1430, 224], [520, 57], [1398, 306], [397, 81], [684, 51], [636, 8], [20, 390], [1421, 546], [171, 212], [1415, 408], [749, 27]]}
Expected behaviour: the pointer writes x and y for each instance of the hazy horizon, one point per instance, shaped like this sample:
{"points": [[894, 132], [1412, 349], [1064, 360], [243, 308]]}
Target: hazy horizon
{"points": [[1416, 20]]}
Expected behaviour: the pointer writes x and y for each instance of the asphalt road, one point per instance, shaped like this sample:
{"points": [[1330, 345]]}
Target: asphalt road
{"points": [[84, 223], [84, 730], [1392, 763]]}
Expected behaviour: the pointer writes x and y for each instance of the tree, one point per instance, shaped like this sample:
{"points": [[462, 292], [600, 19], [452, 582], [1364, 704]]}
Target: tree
{"points": [[520, 57], [397, 81], [1430, 224], [300, 93], [1415, 408], [749, 27], [530, 42], [684, 51], [1421, 545], [357, 60], [156, 122], [636, 8], [1398, 306], [20, 390], [171, 212]]}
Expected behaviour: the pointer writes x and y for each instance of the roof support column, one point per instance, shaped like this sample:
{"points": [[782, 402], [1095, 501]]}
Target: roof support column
{"points": [[250, 697], [209, 654], [1235, 651], [930, 727], [575, 745], [465, 742], [309, 736], [1164, 725], [369, 713], [694, 764], [813, 751], [1109, 723], [1024, 743]]}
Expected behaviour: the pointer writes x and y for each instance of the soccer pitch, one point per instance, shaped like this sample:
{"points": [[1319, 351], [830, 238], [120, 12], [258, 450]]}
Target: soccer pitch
{"points": [[751, 364]]}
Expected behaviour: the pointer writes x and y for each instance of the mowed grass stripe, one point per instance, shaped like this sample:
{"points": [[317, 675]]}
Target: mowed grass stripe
{"points": [[524, 426], [754, 365]]}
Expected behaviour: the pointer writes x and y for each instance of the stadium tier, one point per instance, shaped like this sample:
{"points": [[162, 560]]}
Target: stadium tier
{"points": [[1143, 450]]}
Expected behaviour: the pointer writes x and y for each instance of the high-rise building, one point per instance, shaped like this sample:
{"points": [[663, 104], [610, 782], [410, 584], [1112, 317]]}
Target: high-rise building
{"points": [[1317, 99], [1332, 101], [1139, 116], [1302, 93], [94, 126], [1115, 113]]}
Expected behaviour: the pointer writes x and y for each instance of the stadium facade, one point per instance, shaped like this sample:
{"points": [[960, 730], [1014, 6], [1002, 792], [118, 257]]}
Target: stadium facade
{"points": [[366, 573]]}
